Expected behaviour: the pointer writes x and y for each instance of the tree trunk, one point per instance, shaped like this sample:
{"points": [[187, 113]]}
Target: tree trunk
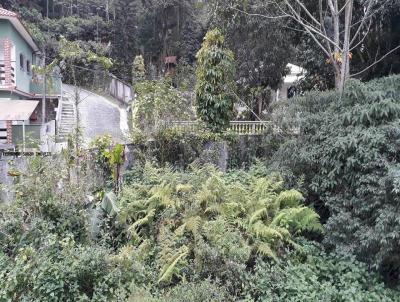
{"points": [[345, 64]]}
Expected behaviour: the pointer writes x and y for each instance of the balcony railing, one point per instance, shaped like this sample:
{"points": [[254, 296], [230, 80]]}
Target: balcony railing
{"points": [[238, 127], [53, 85], [3, 73]]}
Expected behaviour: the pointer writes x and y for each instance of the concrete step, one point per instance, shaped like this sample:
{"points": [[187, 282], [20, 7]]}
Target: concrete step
{"points": [[67, 119]]}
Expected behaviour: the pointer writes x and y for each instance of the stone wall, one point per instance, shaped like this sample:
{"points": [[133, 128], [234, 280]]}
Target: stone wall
{"points": [[222, 154]]}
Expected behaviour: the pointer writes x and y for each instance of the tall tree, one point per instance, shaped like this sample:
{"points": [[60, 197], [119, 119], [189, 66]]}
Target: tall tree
{"points": [[338, 27], [124, 37], [215, 82], [171, 28], [262, 49]]}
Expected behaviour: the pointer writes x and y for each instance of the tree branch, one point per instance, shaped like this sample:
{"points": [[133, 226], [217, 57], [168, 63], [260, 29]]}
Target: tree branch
{"points": [[363, 20], [344, 7], [307, 12], [260, 15], [310, 28], [376, 61]]}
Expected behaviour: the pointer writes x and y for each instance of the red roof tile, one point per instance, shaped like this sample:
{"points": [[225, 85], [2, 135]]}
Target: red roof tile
{"points": [[7, 13]]}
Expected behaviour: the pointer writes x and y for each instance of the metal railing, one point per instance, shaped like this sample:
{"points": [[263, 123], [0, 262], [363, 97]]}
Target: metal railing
{"points": [[53, 84], [120, 90]]}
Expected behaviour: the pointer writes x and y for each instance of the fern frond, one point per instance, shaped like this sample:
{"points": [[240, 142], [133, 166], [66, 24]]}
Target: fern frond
{"points": [[310, 221], [184, 188], [213, 191], [180, 230], [265, 250], [289, 199], [162, 194], [232, 209], [298, 219], [265, 187], [213, 209], [193, 224], [257, 215], [296, 246], [171, 268], [265, 232], [133, 229]]}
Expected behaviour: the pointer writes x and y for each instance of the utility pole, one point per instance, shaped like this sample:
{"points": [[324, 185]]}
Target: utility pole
{"points": [[44, 89]]}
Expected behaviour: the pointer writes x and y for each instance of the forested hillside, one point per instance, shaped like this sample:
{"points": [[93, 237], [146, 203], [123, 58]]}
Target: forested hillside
{"points": [[155, 29], [202, 150]]}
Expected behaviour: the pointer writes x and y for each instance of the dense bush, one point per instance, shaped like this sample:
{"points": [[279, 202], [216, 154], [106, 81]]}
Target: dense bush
{"points": [[313, 276], [348, 151], [192, 236], [157, 104]]}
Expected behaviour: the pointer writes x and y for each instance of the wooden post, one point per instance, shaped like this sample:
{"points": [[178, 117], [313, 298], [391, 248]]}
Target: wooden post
{"points": [[23, 136], [44, 93]]}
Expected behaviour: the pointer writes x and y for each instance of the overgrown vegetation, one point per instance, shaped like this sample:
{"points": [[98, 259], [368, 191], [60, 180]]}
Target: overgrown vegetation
{"points": [[348, 152], [199, 235], [158, 104], [307, 210]]}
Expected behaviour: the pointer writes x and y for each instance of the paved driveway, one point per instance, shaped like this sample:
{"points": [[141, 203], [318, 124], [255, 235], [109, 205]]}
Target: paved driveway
{"points": [[100, 116]]}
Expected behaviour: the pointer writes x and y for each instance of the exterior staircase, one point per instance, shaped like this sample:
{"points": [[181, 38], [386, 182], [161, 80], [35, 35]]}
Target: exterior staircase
{"points": [[66, 118]]}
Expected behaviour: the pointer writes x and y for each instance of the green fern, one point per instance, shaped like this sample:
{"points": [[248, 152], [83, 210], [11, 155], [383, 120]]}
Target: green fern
{"points": [[265, 250], [190, 214], [172, 268], [298, 220], [289, 199], [134, 228]]}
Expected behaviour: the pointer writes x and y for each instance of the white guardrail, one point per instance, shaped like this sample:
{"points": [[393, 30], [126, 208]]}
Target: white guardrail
{"points": [[239, 127]]}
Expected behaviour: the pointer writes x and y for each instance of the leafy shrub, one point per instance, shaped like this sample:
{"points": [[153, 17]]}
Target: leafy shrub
{"points": [[158, 103], [62, 271], [198, 235], [46, 200], [348, 151], [203, 291], [313, 275], [45, 250], [181, 148]]}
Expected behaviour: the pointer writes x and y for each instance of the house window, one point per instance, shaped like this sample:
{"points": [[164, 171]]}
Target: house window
{"points": [[28, 66], [21, 61]]}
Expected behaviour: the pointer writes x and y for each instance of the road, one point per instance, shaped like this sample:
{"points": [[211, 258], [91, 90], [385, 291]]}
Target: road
{"points": [[100, 116]]}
